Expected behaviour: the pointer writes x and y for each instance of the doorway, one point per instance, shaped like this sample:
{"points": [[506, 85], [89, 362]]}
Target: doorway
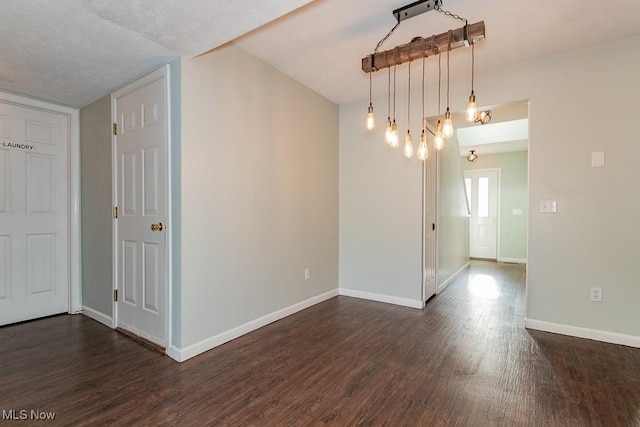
{"points": [[503, 145], [39, 226], [141, 207]]}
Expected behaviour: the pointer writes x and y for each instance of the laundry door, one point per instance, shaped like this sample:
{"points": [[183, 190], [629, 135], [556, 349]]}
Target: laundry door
{"points": [[141, 141], [34, 272], [482, 193], [430, 209]]}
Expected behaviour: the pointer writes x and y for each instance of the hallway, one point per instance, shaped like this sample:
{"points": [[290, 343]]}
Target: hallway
{"points": [[464, 360]]}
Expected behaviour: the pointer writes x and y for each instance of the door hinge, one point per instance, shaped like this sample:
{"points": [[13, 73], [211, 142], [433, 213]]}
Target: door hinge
{"points": [[115, 212], [115, 128], [115, 295]]}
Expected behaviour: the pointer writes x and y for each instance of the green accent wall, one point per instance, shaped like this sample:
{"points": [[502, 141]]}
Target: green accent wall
{"points": [[513, 197]]}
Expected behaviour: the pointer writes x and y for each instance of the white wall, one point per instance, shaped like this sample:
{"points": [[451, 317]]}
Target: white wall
{"points": [[259, 200]]}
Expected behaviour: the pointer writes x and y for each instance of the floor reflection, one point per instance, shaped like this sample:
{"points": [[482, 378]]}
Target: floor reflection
{"points": [[484, 286]]}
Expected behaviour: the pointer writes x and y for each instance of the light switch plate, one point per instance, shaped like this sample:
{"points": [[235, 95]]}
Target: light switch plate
{"points": [[597, 159], [548, 206]]}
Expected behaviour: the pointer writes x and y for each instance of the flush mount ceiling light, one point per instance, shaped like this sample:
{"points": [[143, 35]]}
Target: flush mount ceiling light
{"points": [[472, 156], [421, 48], [483, 117]]}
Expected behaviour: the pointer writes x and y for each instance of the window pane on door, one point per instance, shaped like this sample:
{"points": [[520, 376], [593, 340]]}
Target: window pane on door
{"points": [[467, 186], [483, 197]]}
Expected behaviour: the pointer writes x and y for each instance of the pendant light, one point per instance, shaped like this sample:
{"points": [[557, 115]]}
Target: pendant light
{"points": [[423, 149], [388, 131], [472, 108], [395, 136], [408, 143], [447, 125], [438, 139], [371, 120]]}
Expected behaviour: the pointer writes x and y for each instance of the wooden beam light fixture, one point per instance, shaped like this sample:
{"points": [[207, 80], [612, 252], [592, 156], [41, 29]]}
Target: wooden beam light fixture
{"points": [[424, 47]]}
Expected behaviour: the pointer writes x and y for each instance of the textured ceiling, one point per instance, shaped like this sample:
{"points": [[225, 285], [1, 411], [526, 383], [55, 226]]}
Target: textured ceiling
{"points": [[321, 44], [74, 51]]}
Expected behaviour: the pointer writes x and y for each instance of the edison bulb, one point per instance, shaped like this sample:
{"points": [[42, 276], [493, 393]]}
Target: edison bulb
{"points": [[472, 109], [388, 131], [423, 150], [408, 146], [371, 120], [395, 136], [447, 126], [438, 140]]}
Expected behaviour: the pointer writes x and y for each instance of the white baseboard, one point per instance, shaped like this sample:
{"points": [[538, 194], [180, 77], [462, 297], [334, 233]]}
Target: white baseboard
{"points": [[97, 316], [182, 354], [406, 302], [576, 331], [513, 260], [450, 279]]}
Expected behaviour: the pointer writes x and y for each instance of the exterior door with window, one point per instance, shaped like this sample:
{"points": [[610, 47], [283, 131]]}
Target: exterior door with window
{"points": [[482, 193]]}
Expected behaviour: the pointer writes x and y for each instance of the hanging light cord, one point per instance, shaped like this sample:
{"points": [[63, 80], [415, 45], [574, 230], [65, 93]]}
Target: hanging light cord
{"points": [[409, 100], [439, 81], [394, 93], [389, 94], [473, 63], [370, 84], [448, 50], [424, 119]]}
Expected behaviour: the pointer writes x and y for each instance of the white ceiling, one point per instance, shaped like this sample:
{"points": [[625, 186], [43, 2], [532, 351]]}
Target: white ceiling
{"points": [[74, 51], [321, 44], [501, 137]]}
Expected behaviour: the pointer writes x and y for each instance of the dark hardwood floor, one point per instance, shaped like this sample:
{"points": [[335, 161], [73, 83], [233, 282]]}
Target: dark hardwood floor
{"points": [[464, 360]]}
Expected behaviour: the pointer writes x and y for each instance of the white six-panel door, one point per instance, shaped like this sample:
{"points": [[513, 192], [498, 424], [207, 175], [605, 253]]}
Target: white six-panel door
{"points": [[482, 191], [34, 263], [140, 111]]}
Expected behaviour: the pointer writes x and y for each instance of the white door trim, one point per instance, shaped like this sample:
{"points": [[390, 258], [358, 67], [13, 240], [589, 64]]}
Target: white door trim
{"points": [[141, 82], [73, 162]]}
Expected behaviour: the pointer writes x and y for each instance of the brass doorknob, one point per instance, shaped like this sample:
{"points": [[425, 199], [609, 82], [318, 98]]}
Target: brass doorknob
{"points": [[157, 227]]}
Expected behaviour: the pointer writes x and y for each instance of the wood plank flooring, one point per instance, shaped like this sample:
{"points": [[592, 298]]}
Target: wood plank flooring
{"points": [[464, 360]]}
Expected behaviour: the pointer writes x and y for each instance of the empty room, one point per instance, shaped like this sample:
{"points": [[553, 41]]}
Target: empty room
{"points": [[371, 212]]}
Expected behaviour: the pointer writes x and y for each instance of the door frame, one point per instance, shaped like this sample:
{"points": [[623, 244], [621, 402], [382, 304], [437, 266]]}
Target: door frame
{"points": [[163, 72], [424, 225], [498, 202], [74, 285]]}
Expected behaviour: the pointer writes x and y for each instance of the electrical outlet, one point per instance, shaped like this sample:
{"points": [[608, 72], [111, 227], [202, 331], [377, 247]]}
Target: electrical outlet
{"points": [[307, 273], [596, 294]]}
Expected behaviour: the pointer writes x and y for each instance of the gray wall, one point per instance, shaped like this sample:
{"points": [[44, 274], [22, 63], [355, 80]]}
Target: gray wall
{"points": [[380, 208], [175, 97], [453, 213], [513, 195], [259, 186], [593, 239], [95, 158]]}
